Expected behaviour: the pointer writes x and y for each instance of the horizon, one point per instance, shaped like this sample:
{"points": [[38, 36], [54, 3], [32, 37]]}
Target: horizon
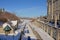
{"points": [[25, 8]]}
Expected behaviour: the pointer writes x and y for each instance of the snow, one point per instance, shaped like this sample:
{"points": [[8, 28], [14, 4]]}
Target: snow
{"points": [[30, 33], [41, 32], [5, 24], [11, 36], [44, 35], [14, 23], [16, 35], [26, 38]]}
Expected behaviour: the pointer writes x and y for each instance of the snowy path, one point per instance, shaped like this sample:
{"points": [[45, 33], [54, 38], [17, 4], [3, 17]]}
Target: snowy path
{"points": [[41, 32], [31, 34]]}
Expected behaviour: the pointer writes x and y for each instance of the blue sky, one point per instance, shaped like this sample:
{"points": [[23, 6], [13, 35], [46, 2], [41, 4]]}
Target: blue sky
{"points": [[25, 8]]}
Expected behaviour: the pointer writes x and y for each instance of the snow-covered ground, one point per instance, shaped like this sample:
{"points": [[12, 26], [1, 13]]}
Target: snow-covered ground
{"points": [[41, 32], [16, 35], [28, 31]]}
